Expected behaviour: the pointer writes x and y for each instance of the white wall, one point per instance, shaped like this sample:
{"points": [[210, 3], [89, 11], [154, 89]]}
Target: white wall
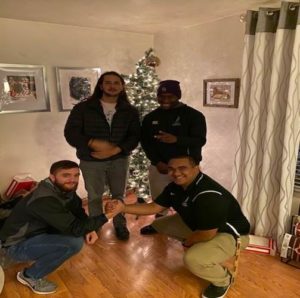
{"points": [[209, 51], [30, 142]]}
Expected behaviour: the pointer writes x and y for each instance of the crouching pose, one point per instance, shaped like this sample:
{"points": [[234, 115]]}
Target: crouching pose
{"points": [[209, 222], [49, 226]]}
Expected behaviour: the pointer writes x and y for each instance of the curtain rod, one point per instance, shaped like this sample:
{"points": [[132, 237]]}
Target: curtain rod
{"points": [[292, 6]]}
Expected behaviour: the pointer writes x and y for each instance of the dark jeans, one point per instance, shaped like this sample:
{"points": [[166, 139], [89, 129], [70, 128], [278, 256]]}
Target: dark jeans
{"points": [[48, 251]]}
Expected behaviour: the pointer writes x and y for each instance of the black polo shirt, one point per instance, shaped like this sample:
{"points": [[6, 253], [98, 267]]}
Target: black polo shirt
{"points": [[205, 205]]}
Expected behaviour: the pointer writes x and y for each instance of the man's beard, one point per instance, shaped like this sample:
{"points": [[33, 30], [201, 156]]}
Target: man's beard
{"points": [[111, 95], [65, 189]]}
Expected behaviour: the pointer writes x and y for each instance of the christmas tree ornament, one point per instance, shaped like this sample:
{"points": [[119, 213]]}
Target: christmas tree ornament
{"points": [[152, 61]]}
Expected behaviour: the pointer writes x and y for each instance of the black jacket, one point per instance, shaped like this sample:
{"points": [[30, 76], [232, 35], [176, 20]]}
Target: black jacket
{"points": [[184, 122], [87, 121], [48, 210]]}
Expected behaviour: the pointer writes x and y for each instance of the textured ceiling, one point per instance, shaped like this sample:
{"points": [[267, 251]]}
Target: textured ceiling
{"points": [[143, 16]]}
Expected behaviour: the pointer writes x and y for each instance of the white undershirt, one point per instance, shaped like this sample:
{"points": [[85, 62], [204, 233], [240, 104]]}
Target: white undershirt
{"points": [[109, 110]]}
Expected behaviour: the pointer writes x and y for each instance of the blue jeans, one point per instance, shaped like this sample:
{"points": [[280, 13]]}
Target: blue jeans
{"points": [[48, 251]]}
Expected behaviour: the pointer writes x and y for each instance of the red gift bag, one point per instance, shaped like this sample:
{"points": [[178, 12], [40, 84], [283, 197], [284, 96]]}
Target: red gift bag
{"points": [[20, 182]]}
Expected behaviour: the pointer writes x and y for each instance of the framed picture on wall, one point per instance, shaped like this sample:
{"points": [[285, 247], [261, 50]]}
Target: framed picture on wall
{"points": [[75, 84], [23, 89], [221, 93]]}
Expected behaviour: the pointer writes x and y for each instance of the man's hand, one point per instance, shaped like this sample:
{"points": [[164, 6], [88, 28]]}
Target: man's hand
{"points": [[113, 207], [103, 154], [187, 243], [165, 137], [103, 149], [91, 237], [162, 167], [100, 145]]}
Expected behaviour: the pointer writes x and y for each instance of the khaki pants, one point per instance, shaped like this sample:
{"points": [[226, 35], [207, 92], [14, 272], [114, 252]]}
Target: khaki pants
{"points": [[204, 258], [158, 182]]}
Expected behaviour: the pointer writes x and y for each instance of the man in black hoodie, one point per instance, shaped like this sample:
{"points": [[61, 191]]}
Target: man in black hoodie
{"points": [[170, 130], [48, 226]]}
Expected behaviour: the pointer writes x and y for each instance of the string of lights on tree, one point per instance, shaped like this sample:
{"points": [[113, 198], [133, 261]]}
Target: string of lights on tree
{"points": [[141, 90]]}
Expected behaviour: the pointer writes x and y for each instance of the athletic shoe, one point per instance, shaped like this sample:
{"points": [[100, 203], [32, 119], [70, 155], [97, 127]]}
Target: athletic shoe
{"points": [[122, 233], [38, 286], [215, 292]]}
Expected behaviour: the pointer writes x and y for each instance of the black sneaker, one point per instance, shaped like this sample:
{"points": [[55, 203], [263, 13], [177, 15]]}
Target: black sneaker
{"points": [[38, 286], [122, 233], [148, 230], [215, 292]]}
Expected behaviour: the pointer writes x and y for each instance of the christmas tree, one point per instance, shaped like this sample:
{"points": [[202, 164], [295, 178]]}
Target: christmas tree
{"points": [[141, 90]]}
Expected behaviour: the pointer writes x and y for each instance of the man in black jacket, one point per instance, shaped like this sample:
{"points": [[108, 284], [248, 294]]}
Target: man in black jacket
{"points": [[170, 130], [104, 130], [48, 226]]}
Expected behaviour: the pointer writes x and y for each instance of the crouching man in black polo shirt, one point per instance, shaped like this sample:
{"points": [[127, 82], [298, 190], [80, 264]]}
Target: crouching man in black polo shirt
{"points": [[208, 222]]}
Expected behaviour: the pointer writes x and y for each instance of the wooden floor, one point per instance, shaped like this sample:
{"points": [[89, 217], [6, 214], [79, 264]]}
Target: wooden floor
{"points": [[151, 266]]}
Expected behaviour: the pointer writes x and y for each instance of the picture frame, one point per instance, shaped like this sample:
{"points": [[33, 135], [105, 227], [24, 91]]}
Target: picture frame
{"points": [[75, 84], [221, 93], [23, 89]]}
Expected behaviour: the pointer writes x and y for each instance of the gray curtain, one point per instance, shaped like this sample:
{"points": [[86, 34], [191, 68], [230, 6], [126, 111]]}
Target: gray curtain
{"points": [[269, 119]]}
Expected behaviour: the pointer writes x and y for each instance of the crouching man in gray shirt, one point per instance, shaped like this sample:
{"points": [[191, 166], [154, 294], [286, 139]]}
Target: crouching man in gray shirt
{"points": [[49, 226]]}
